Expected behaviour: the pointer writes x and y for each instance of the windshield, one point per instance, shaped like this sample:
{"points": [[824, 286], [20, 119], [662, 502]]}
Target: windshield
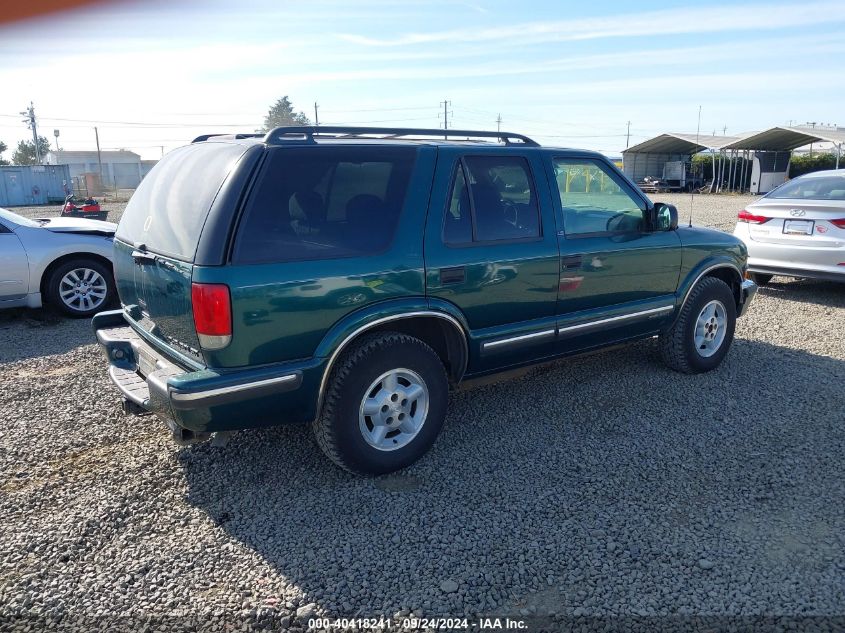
{"points": [[14, 218], [814, 188]]}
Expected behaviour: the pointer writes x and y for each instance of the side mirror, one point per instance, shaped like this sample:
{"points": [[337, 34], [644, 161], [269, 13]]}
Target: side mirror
{"points": [[665, 217]]}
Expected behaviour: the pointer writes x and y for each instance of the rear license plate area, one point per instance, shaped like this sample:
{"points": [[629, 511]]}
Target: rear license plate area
{"points": [[798, 227]]}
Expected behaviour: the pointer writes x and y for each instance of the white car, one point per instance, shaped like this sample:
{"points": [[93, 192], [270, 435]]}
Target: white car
{"points": [[797, 229], [66, 262]]}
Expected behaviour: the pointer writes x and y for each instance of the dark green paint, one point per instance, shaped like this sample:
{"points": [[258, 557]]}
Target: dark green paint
{"points": [[293, 316]]}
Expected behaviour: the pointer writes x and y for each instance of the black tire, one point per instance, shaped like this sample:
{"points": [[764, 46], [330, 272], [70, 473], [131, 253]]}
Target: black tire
{"points": [[337, 429], [53, 296], [761, 279], [677, 344]]}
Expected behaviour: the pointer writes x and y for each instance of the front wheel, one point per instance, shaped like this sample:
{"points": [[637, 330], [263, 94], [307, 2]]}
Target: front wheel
{"points": [[81, 287], [385, 404], [703, 332]]}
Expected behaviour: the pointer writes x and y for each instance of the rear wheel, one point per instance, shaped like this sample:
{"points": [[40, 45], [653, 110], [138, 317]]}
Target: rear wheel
{"points": [[761, 279], [703, 332], [385, 404], [81, 287]]}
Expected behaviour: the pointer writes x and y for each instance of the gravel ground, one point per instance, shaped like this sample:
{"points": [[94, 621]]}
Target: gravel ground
{"points": [[600, 487]]}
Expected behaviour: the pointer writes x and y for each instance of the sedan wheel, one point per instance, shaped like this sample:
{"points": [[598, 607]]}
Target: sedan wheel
{"points": [[81, 287]]}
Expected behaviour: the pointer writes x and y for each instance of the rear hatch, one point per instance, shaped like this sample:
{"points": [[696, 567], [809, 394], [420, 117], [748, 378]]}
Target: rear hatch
{"points": [[157, 239], [808, 211]]}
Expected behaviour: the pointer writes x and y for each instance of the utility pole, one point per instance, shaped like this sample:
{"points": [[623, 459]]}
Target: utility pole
{"points": [[499, 123], [316, 117], [99, 157], [446, 105], [628, 135], [29, 113], [724, 130]]}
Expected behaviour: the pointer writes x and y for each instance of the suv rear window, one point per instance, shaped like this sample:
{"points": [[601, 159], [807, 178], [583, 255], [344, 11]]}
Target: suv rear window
{"points": [[168, 210], [325, 202]]}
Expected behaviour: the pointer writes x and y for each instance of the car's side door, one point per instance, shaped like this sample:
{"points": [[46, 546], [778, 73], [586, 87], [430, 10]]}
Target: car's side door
{"points": [[619, 269], [14, 266], [491, 251]]}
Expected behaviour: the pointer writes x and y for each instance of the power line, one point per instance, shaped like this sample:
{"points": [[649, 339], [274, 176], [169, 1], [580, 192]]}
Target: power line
{"points": [[381, 109]]}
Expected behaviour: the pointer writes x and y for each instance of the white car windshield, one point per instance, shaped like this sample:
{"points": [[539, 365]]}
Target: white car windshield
{"points": [[14, 218], [814, 188]]}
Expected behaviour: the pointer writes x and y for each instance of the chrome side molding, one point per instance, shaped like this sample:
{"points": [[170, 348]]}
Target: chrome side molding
{"points": [[617, 319], [533, 337]]}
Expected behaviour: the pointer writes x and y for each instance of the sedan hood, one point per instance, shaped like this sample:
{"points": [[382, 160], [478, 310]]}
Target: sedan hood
{"points": [[78, 225]]}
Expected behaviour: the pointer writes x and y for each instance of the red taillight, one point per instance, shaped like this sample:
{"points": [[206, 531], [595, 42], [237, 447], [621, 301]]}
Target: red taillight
{"points": [[745, 216], [212, 314], [839, 224]]}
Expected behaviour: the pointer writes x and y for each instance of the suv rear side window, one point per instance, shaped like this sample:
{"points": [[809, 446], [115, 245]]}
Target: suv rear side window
{"points": [[324, 203], [493, 199]]}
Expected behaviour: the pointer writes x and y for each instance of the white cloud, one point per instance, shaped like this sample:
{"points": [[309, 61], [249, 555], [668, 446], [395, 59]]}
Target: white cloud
{"points": [[704, 19]]}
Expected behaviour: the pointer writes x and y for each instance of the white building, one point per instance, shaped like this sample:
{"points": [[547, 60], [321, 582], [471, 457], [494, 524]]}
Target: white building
{"points": [[121, 169]]}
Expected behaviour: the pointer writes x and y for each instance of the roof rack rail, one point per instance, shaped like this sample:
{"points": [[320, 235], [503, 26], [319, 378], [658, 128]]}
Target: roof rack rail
{"points": [[308, 133], [205, 137]]}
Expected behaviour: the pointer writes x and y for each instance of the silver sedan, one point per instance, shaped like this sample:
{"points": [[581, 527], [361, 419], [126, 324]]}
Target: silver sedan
{"points": [[798, 229], [66, 262]]}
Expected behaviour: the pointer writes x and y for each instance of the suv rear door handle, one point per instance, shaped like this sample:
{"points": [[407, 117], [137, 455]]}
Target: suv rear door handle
{"points": [[142, 257], [452, 275], [570, 261]]}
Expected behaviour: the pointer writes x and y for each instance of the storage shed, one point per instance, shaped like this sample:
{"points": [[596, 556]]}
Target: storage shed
{"points": [[121, 168], [25, 185]]}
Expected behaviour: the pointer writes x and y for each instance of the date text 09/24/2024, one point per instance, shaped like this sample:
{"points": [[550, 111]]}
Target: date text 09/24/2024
{"points": [[414, 624]]}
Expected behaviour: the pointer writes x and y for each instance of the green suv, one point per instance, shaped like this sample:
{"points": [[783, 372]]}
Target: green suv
{"points": [[348, 277]]}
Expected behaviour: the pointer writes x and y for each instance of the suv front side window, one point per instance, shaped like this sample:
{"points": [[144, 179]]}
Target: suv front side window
{"points": [[593, 202], [492, 199]]}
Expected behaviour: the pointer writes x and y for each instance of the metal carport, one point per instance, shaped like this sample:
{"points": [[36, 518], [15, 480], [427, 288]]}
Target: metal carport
{"points": [[771, 150], [647, 159], [787, 139]]}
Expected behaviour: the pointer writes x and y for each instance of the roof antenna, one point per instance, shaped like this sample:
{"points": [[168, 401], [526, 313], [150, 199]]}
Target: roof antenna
{"points": [[692, 190]]}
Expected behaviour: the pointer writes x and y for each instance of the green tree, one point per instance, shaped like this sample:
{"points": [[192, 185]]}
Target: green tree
{"points": [[282, 113], [3, 148], [25, 152], [804, 163]]}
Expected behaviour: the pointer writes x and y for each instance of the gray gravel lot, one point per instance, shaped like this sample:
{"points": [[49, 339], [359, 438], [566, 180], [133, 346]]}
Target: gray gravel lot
{"points": [[600, 486]]}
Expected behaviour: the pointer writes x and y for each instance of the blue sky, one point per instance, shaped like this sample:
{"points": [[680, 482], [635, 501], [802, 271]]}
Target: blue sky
{"points": [[152, 75]]}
